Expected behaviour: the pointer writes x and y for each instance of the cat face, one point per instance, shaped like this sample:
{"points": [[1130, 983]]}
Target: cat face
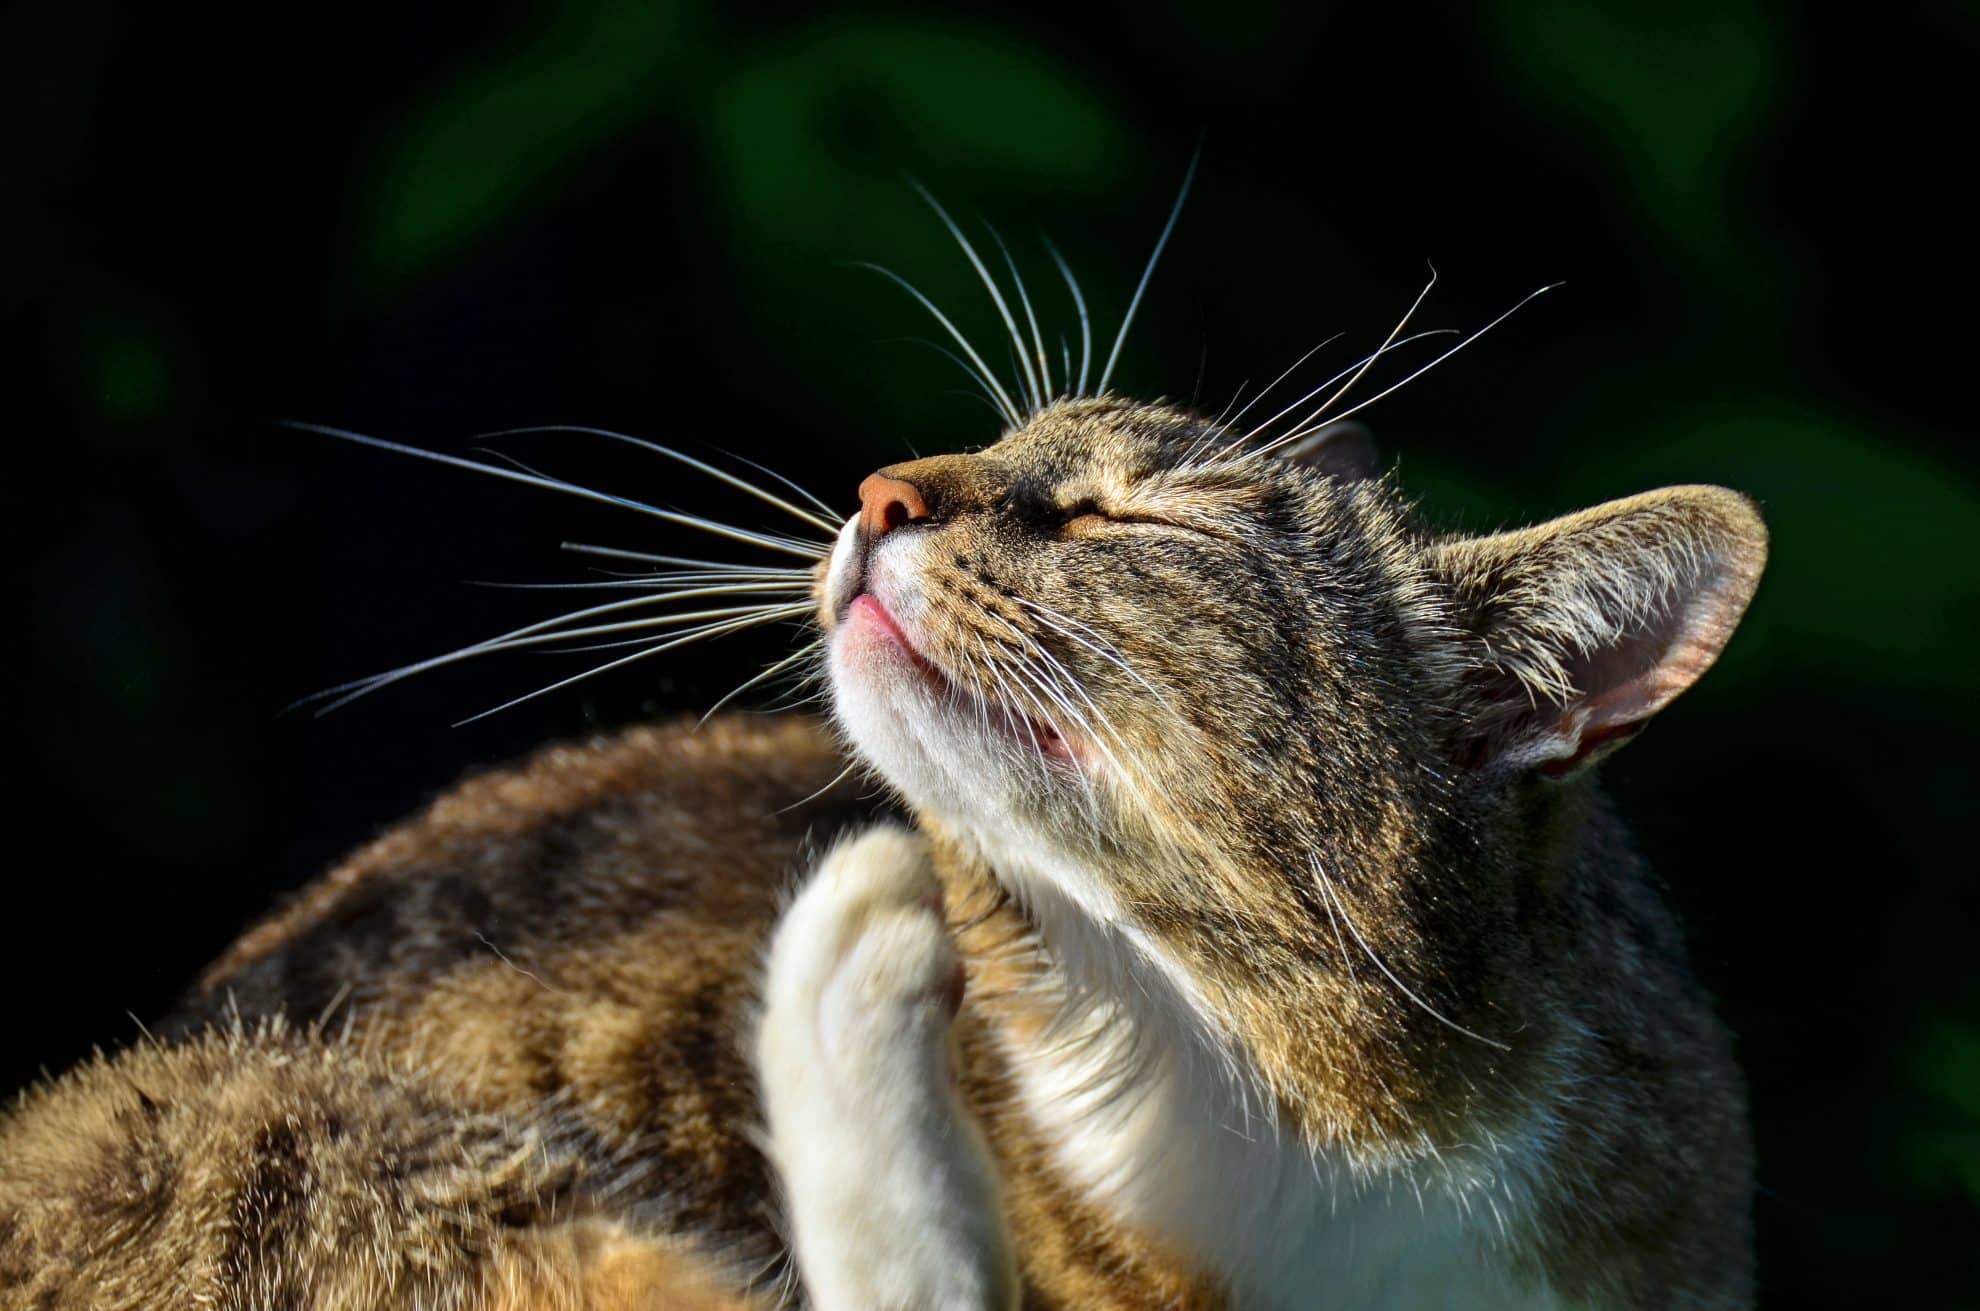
{"points": [[1198, 675], [1099, 630]]}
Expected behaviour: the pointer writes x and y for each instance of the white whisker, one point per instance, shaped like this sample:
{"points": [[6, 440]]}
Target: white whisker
{"points": [[1306, 425], [1356, 367], [789, 546], [740, 484], [982, 392], [829, 511], [768, 673], [714, 566], [1127, 320], [996, 294], [648, 582], [1267, 390], [1048, 391], [1105, 649], [837, 779], [1328, 891], [747, 621], [1365, 365], [539, 634], [1085, 322], [1005, 405]]}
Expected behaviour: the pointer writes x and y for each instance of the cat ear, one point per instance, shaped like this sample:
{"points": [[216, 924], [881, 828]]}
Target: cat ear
{"points": [[1340, 450], [1591, 624]]}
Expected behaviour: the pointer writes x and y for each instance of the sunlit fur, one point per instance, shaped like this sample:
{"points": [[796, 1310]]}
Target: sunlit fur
{"points": [[1306, 965], [254, 1168], [1296, 874]]}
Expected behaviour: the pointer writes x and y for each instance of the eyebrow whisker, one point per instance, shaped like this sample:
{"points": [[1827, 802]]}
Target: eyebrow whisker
{"points": [[1361, 364], [1085, 321], [1148, 271], [1005, 405], [1026, 376], [1307, 425], [1049, 391]]}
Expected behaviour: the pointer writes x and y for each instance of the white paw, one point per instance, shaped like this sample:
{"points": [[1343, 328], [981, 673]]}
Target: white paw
{"points": [[862, 975], [892, 1194]]}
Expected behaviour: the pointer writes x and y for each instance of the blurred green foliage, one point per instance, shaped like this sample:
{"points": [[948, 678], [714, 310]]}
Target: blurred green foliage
{"points": [[638, 214]]}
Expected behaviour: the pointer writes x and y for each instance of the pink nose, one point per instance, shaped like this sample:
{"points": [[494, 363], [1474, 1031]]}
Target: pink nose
{"points": [[887, 503]]}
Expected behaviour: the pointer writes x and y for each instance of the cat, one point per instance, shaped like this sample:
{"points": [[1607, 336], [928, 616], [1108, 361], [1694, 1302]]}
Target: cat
{"points": [[1242, 925]]}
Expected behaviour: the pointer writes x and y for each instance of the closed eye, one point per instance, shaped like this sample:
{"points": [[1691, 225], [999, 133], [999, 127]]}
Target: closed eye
{"points": [[1087, 517]]}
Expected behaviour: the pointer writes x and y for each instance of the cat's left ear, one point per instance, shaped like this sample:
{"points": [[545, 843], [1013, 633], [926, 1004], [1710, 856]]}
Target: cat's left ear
{"points": [[1344, 451], [1585, 627]]}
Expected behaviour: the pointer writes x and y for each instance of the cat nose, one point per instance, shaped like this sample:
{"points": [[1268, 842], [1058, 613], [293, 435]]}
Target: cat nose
{"points": [[887, 503]]}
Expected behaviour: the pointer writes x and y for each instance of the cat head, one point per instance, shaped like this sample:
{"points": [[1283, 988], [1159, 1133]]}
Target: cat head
{"points": [[1221, 694], [1111, 624]]}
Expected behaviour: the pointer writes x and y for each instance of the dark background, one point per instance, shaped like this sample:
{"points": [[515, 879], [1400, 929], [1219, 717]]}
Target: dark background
{"points": [[425, 226]]}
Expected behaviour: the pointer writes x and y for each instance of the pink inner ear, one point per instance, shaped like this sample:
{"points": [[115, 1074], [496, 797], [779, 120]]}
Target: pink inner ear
{"points": [[1622, 684]]}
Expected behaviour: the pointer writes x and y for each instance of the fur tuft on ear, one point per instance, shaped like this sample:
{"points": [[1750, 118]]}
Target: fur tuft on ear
{"points": [[1592, 623], [1340, 450]]}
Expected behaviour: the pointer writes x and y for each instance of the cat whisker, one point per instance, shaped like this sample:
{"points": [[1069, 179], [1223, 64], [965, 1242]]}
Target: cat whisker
{"points": [[713, 566], [619, 645], [406, 670], [1061, 687], [1060, 683], [1025, 374], [1307, 425], [1005, 405], [837, 779], [796, 657], [1101, 647], [1223, 414], [1085, 322], [1048, 391], [509, 460], [982, 392], [768, 541], [699, 634], [1127, 320], [1272, 385], [702, 466], [829, 511], [1369, 363], [1236, 443], [1007, 700], [1336, 907], [647, 582], [542, 633]]}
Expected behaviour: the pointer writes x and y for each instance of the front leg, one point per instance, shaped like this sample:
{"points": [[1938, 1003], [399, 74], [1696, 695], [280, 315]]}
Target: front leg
{"points": [[892, 1196]]}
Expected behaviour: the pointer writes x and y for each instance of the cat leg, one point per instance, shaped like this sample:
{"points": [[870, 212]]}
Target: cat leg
{"points": [[892, 1196]]}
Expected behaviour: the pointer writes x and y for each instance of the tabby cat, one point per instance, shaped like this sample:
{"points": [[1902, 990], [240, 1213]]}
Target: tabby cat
{"points": [[1243, 926]]}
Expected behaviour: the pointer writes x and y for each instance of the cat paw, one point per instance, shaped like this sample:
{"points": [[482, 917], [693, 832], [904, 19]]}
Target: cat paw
{"points": [[891, 1191], [863, 979]]}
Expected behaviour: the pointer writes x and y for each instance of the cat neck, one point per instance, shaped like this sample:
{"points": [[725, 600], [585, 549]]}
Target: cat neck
{"points": [[1138, 1091]]}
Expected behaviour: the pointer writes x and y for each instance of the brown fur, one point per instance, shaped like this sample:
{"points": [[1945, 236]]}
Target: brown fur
{"points": [[566, 948], [1338, 697], [1317, 720]]}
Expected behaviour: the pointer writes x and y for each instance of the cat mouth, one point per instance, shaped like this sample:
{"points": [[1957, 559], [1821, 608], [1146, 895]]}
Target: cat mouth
{"points": [[868, 611]]}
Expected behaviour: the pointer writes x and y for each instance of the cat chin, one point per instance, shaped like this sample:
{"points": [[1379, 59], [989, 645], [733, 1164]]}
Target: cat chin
{"points": [[911, 727]]}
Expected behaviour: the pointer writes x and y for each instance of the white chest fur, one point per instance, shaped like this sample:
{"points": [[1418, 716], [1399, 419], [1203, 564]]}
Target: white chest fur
{"points": [[1148, 1117]]}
